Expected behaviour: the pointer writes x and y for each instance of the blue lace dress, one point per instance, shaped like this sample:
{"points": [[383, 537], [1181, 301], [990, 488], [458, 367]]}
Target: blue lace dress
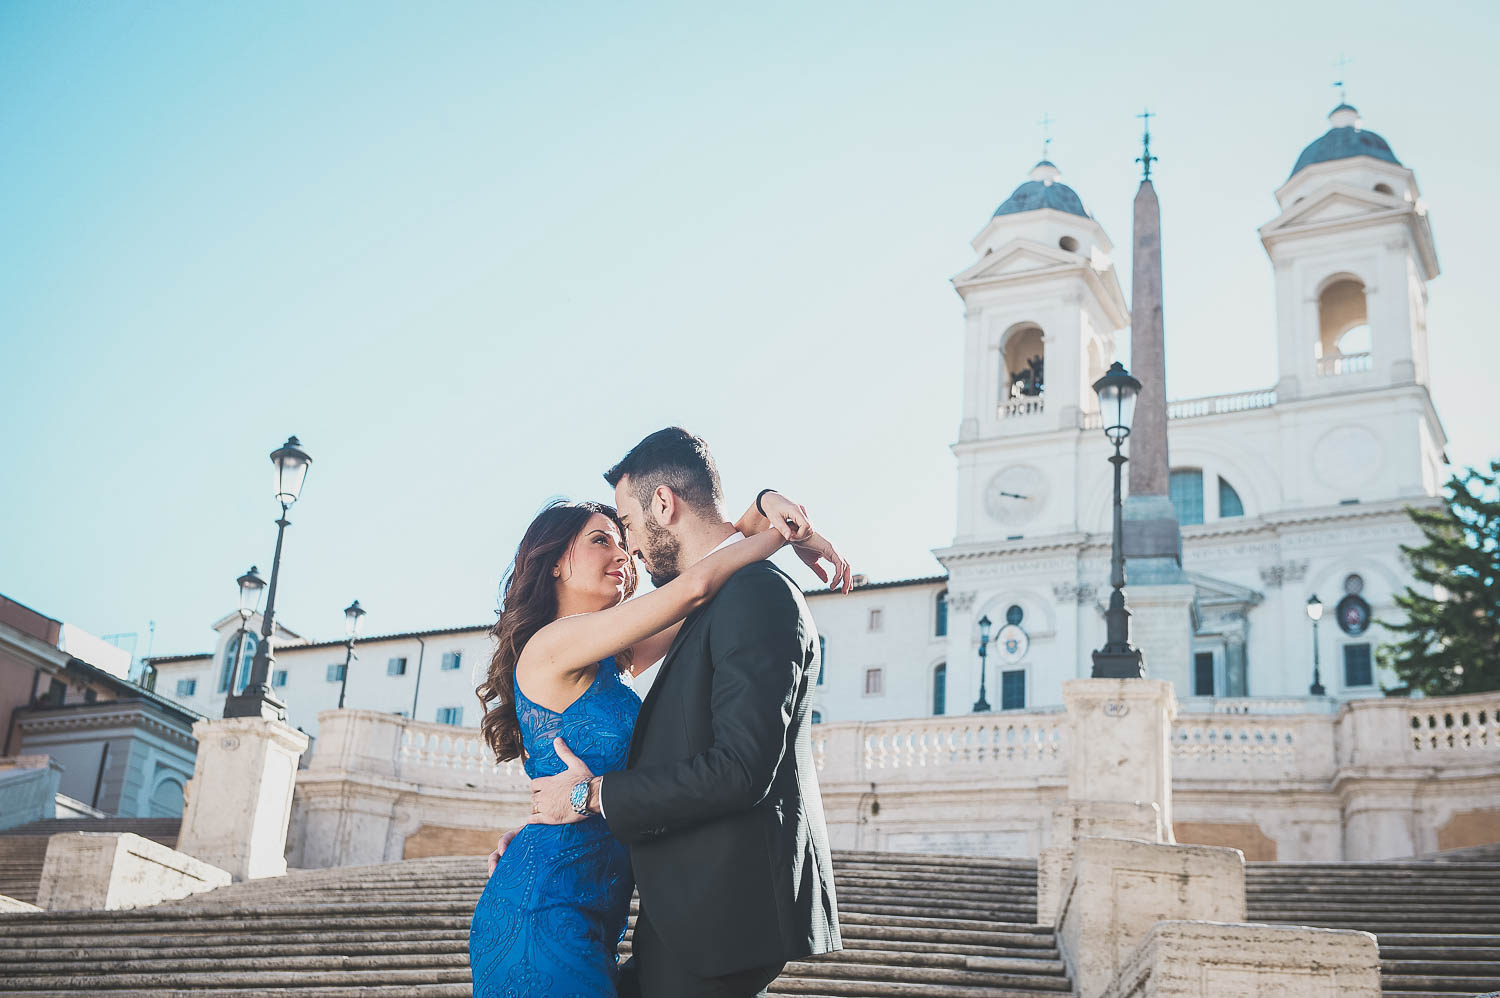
{"points": [[554, 910]]}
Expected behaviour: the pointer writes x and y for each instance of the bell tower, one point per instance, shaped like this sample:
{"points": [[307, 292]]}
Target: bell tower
{"points": [[1041, 306], [1353, 252]]}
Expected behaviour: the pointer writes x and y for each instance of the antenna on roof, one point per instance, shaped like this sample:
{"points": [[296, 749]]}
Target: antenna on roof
{"points": [[1145, 158]]}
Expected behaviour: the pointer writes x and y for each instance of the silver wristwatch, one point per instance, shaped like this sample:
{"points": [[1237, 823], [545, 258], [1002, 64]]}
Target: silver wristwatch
{"points": [[579, 798]]}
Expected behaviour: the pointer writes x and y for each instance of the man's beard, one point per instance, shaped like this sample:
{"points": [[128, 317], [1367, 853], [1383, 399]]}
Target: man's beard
{"points": [[662, 554]]}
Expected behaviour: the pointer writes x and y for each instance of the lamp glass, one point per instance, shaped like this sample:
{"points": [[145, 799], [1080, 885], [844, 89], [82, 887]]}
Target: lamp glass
{"points": [[354, 616], [251, 586], [984, 629], [1117, 392], [291, 463], [1314, 607]]}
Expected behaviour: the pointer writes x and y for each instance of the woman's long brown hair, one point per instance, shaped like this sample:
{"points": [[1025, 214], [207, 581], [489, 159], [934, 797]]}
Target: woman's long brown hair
{"points": [[528, 602]]}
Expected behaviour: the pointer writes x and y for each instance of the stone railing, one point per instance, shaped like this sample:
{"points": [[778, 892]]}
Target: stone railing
{"points": [[1442, 725], [1208, 405], [1003, 747], [443, 753], [1229, 746], [1349, 363], [1213, 405], [1024, 405], [390, 746], [1256, 705]]}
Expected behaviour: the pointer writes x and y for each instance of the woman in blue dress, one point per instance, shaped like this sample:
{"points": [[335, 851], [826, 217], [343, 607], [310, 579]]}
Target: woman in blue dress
{"points": [[555, 907]]}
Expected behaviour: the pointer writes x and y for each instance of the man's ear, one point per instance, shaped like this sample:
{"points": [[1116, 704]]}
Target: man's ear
{"points": [[665, 505]]}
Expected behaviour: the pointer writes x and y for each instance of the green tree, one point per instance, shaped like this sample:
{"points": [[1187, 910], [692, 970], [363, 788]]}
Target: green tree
{"points": [[1451, 640]]}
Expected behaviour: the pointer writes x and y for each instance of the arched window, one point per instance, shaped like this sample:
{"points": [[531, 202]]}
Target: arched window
{"points": [[1229, 500], [166, 800], [1186, 489], [817, 717], [940, 689], [1343, 328], [940, 620], [246, 647], [1022, 373]]}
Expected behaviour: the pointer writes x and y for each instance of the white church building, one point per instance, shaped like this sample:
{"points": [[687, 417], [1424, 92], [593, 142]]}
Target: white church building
{"points": [[1282, 491]]}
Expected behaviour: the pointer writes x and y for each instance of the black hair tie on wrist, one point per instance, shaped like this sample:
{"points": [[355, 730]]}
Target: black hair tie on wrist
{"points": [[758, 507]]}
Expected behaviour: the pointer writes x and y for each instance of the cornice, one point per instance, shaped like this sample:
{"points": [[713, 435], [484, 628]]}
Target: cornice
{"points": [[977, 550], [101, 716]]}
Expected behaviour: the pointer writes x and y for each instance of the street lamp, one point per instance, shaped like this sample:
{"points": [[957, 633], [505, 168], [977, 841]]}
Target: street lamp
{"points": [[1117, 391], [257, 699], [353, 616], [250, 585], [982, 704], [1315, 613]]}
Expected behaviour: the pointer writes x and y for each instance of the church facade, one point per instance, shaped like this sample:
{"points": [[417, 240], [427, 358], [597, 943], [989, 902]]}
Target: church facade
{"points": [[1283, 492]]}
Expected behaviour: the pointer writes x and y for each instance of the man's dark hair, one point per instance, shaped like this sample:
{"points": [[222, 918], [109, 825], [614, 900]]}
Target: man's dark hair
{"points": [[677, 459]]}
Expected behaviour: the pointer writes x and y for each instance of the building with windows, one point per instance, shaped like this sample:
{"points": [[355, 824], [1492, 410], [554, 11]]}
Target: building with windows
{"points": [[82, 740], [1282, 492], [425, 675]]}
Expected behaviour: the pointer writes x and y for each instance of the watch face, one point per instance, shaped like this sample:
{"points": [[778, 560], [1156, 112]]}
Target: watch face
{"points": [[1016, 494]]}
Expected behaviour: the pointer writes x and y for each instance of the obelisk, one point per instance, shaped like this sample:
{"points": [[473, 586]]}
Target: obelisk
{"points": [[1159, 593]]}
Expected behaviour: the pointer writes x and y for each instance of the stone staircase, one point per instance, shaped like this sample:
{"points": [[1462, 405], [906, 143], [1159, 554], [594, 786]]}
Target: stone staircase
{"points": [[914, 926], [1438, 922], [24, 847]]}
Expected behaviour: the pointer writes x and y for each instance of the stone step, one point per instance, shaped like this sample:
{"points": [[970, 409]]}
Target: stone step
{"points": [[818, 988], [1452, 985], [1429, 967]]}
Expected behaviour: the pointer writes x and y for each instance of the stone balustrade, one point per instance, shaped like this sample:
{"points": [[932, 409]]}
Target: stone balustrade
{"points": [[1348, 363], [928, 748], [1213, 405], [1402, 776]]}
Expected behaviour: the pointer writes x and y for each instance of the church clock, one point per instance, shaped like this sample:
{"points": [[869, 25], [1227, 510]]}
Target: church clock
{"points": [[1015, 495]]}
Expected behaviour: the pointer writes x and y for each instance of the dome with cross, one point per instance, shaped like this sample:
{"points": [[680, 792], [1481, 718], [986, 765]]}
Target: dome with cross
{"points": [[1345, 140], [1042, 190]]}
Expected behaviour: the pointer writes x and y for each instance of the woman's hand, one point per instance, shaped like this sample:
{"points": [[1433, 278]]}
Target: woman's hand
{"points": [[500, 848], [818, 548], [787, 518]]}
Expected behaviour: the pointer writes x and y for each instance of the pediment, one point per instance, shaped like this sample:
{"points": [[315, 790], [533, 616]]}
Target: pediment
{"points": [[1332, 204], [1210, 591], [1019, 257]]}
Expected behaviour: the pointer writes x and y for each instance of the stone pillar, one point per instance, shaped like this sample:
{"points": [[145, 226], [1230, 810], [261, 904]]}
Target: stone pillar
{"points": [[1119, 773], [1161, 622], [240, 798], [1213, 960], [1119, 888], [1158, 593], [1149, 465], [98, 870]]}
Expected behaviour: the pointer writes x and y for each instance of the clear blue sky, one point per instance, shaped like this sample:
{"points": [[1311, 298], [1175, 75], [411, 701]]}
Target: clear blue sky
{"points": [[470, 253]]}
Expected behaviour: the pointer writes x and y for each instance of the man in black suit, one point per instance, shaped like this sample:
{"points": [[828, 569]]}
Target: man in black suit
{"points": [[719, 801]]}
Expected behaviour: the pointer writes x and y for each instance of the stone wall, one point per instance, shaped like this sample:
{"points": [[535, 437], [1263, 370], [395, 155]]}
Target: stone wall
{"points": [[1380, 779]]}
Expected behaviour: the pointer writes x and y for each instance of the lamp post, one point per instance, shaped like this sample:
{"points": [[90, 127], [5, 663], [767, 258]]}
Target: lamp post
{"points": [[250, 585], [354, 615], [1117, 391], [258, 700], [1315, 613], [982, 705]]}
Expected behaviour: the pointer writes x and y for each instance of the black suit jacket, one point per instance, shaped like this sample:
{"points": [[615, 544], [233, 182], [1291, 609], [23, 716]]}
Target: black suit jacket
{"points": [[719, 801]]}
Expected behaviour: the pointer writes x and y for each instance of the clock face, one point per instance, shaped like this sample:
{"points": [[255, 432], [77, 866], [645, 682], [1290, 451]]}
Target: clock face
{"points": [[1015, 495]]}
